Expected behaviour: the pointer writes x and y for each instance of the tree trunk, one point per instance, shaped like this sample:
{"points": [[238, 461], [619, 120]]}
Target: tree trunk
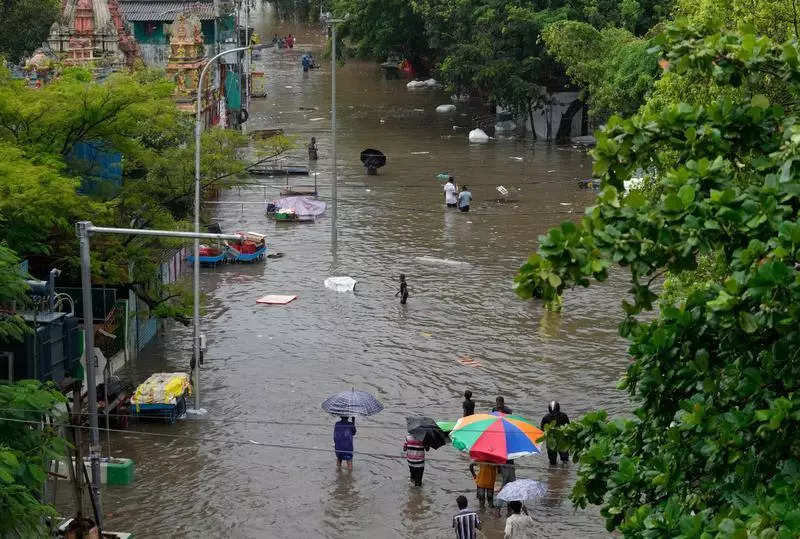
{"points": [[565, 124], [585, 120], [530, 118]]}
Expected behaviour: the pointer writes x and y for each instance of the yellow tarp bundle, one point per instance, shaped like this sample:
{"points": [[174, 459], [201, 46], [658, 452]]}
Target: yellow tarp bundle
{"points": [[162, 388]]}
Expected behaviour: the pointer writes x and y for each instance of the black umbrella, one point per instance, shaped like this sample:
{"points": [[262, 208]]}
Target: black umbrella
{"points": [[373, 159], [426, 431]]}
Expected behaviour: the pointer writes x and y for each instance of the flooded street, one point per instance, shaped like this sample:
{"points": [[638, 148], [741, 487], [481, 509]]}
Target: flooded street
{"points": [[268, 368]]}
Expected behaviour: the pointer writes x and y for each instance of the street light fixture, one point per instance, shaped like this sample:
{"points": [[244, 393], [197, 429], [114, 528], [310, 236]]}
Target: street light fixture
{"points": [[196, 279]]}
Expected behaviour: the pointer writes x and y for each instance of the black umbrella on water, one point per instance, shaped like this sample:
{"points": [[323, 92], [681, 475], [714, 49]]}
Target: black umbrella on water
{"points": [[373, 160], [426, 431]]}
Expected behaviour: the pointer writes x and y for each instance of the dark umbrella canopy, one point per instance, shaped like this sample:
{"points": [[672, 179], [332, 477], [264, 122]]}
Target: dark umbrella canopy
{"points": [[373, 158], [350, 403], [426, 431]]}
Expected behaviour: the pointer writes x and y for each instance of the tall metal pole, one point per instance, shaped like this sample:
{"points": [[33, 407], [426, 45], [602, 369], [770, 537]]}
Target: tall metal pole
{"points": [[83, 228], [334, 186], [246, 60], [196, 278]]}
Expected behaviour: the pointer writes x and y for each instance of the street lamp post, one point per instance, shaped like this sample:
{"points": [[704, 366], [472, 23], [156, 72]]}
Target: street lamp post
{"points": [[196, 280]]}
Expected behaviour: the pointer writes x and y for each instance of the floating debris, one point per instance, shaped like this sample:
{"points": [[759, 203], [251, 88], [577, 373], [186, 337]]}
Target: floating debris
{"points": [[468, 361]]}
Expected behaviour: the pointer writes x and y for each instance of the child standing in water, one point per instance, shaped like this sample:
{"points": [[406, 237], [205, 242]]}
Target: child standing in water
{"points": [[403, 292]]}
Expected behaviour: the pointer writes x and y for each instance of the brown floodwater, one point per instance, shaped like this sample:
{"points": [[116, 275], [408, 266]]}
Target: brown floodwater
{"points": [[268, 368]]}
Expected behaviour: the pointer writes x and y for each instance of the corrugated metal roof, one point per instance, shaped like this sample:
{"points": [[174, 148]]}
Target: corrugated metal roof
{"points": [[164, 10]]}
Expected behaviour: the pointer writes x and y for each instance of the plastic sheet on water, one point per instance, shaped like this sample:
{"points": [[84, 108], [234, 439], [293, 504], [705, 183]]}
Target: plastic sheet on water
{"points": [[445, 108], [478, 135], [340, 284]]}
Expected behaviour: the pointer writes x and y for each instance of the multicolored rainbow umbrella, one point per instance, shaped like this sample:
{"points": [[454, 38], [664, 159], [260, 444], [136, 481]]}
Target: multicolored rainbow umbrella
{"points": [[496, 437]]}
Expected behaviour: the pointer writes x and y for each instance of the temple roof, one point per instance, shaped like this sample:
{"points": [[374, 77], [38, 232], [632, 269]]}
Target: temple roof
{"points": [[165, 10]]}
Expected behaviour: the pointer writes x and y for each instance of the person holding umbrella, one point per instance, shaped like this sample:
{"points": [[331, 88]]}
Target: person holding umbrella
{"points": [[415, 455], [348, 404], [518, 525], [343, 433]]}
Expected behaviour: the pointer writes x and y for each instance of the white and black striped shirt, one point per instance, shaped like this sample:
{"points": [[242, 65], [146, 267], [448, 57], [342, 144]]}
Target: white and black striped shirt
{"points": [[466, 522]]}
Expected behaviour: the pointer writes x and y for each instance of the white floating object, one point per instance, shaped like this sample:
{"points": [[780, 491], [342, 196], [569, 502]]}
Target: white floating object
{"points": [[549, 171], [502, 190], [316, 119], [420, 153], [566, 203], [516, 158], [456, 127], [431, 83], [416, 84], [275, 299], [383, 121], [340, 284], [289, 87], [478, 135], [445, 108]]}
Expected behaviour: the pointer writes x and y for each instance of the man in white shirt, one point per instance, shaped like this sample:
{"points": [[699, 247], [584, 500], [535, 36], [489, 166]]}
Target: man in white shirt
{"points": [[450, 197], [518, 526]]}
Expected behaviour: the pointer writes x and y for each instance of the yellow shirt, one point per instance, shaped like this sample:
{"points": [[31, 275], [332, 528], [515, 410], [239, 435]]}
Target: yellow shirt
{"points": [[487, 474]]}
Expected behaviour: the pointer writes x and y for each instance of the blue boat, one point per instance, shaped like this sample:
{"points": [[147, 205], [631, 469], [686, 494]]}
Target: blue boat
{"points": [[210, 256], [236, 256]]}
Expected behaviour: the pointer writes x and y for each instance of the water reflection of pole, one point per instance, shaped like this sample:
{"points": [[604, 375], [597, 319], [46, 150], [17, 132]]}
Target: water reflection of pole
{"points": [[334, 186]]}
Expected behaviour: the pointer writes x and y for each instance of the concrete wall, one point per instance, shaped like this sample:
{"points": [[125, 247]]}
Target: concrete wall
{"points": [[551, 113], [559, 103]]}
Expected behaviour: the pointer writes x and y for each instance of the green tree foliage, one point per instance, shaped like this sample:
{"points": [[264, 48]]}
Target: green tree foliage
{"points": [[25, 24], [135, 115], [638, 17], [776, 19], [711, 448], [612, 65], [504, 60], [379, 28], [12, 291], [27, 443]]}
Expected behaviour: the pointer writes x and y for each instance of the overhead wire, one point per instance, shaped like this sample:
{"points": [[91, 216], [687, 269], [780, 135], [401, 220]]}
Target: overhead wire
{"points": [[242, 442]]}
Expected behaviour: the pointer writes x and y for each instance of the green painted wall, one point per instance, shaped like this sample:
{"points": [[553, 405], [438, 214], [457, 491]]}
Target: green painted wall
{"points": [[155, 37], [208, 32]]}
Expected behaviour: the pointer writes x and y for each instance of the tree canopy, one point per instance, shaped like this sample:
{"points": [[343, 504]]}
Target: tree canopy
{"points": [[612, 65], [28, 441], [129, 113], [710, 449], [26, 25]]}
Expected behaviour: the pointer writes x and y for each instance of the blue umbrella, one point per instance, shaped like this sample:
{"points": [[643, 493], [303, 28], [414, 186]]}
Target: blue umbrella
{"points": [[349, 403]]}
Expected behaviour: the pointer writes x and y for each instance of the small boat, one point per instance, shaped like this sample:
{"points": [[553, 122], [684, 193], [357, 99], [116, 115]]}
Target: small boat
{"points": [[269, 170], [210, 256], [295, 209], [251, 248]]}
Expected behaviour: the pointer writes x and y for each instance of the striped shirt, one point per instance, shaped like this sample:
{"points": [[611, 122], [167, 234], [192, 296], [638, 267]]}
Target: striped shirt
{"points": [[465, 523], [415, 452]]}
